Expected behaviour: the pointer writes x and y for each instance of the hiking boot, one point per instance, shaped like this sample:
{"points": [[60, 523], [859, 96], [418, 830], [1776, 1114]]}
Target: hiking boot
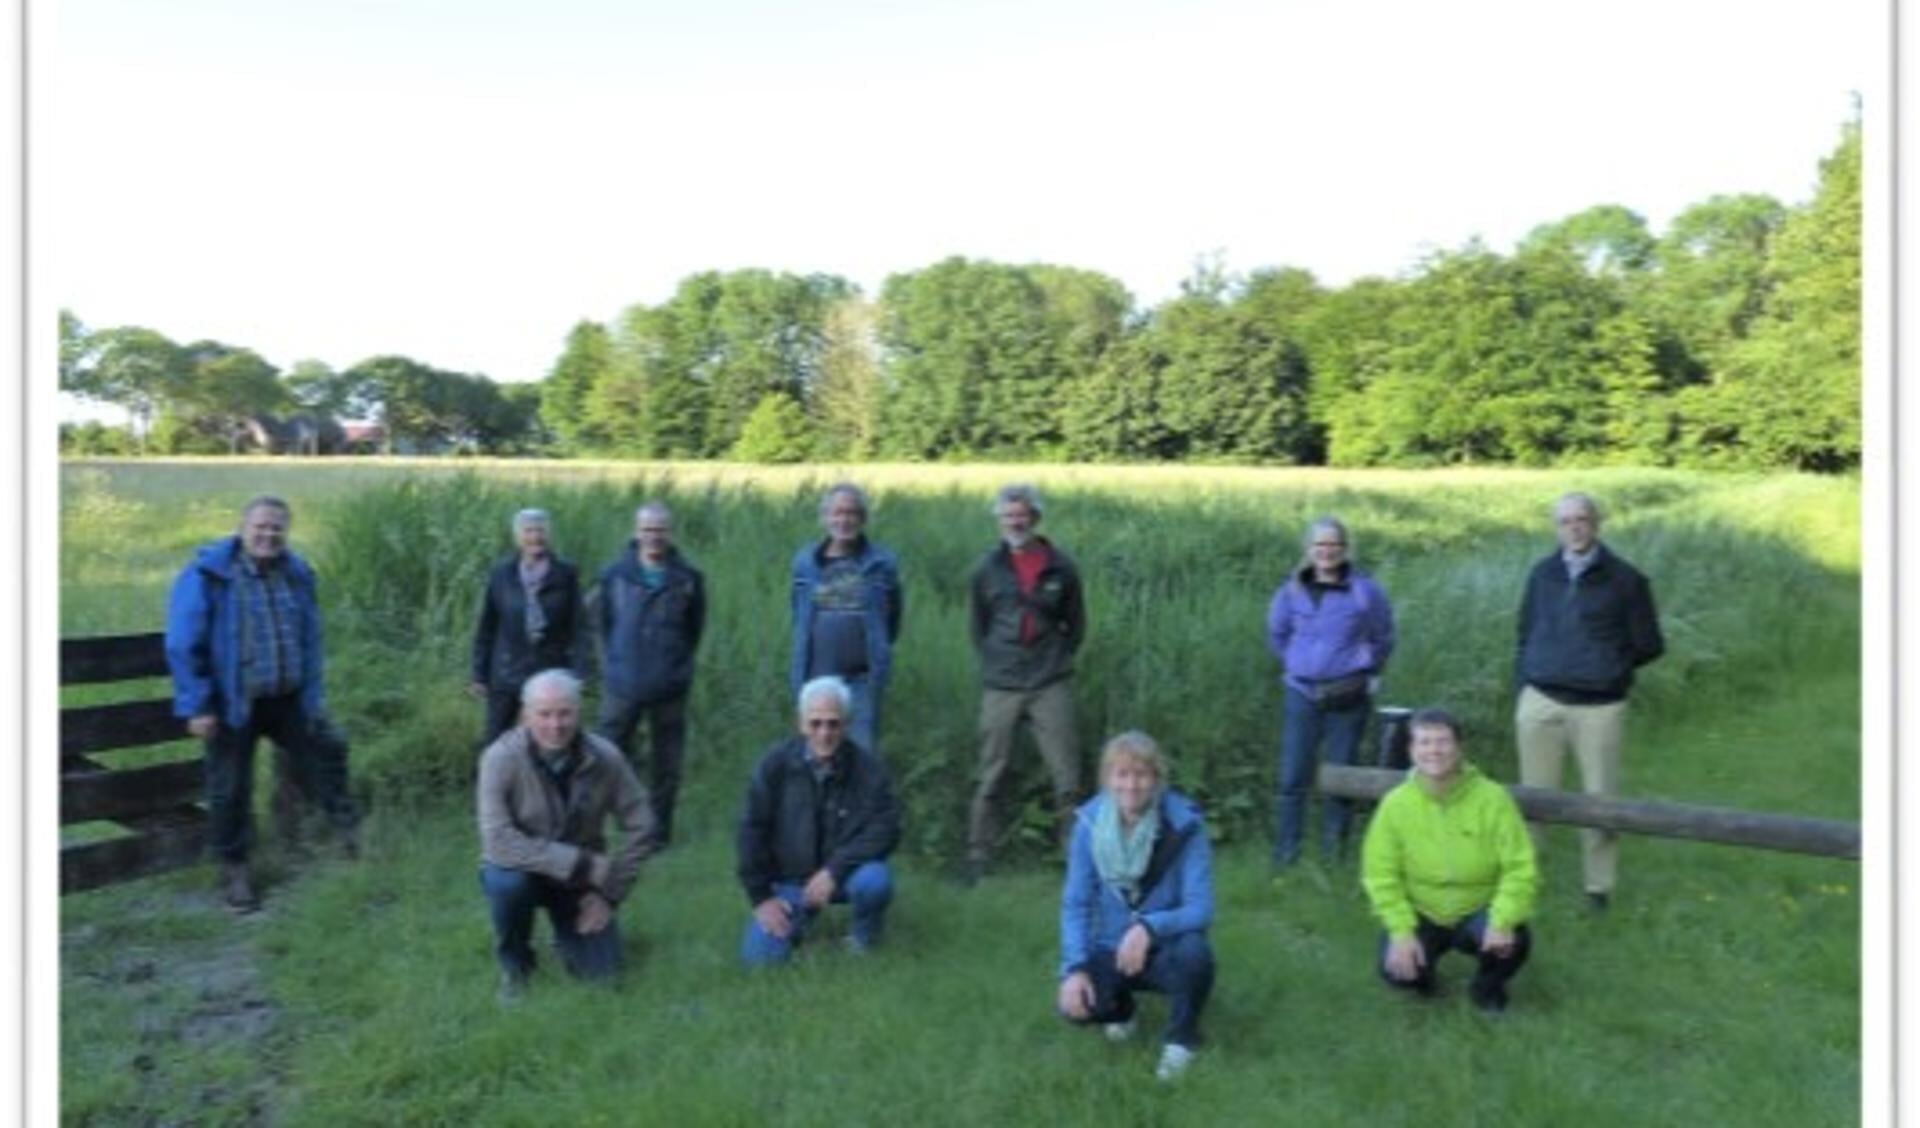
{"points": [[1487, 998], [1118, 1031], [236, 883], [1174, 1061], [513, 988], [1596, 902]]}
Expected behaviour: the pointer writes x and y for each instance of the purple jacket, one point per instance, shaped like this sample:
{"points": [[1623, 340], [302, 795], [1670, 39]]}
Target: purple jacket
{"points": [[1350, 632]]}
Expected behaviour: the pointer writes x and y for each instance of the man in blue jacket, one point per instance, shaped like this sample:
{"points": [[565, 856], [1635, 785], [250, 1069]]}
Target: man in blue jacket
{"points": [[847, 607], [651, 609], [244, 648], [1586, 622]]}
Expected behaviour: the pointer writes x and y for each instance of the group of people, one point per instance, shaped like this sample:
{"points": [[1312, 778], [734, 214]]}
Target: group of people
{"points": [[1447, 862]]}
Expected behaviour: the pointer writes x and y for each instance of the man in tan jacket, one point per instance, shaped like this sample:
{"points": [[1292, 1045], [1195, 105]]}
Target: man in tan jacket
{"points": [[546, 790]]}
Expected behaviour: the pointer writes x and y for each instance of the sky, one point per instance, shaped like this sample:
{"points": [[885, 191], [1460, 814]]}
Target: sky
{"points": [[461, 182]]}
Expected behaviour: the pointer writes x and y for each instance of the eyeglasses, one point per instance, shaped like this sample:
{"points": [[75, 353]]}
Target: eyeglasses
{"points": [[825, 723]]}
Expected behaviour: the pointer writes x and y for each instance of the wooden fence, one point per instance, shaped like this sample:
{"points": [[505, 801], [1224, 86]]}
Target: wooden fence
{"points": [[159, 803]]}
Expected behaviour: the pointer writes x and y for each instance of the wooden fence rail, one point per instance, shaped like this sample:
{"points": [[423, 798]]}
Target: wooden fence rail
{"points": [[157, 802], [1790, 833]]}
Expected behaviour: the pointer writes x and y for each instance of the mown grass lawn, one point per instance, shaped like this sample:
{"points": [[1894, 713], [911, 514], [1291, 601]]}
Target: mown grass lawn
{"points": [[1724, 988]]}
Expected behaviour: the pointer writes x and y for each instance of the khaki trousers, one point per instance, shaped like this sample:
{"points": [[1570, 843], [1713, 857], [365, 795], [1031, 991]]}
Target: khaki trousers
{"points": [[1050, 711], [1545, 729]]}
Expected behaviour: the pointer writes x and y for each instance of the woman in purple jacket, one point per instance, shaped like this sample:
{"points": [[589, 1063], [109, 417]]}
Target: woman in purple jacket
{"points": [[1332, 628]]}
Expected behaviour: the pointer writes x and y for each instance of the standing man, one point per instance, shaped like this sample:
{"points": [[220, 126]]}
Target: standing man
{"points": [[1027, 618], [1586, 623], [651, 609], [545, 793], [847, 606], [820, 820], [528, 622], [243, 645]]}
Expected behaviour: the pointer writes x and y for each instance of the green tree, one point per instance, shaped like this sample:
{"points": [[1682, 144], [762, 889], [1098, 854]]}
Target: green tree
{"points": [[777, 430], [136, 368], [564, 395], [227, 388], [845, 398]]}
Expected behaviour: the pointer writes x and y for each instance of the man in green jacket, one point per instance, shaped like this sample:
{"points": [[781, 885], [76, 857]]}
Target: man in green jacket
{"points": [[1027, 618], [1448, 866]]}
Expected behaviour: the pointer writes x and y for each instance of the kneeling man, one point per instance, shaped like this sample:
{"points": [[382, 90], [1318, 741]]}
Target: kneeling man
{"points": [[820, 820], [546, 790]]}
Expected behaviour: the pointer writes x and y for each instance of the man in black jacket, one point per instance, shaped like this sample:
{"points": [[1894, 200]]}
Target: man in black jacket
{"points": [[820, 820], [527, 622], [1027, 617], [650, 608], [1587, 621]]}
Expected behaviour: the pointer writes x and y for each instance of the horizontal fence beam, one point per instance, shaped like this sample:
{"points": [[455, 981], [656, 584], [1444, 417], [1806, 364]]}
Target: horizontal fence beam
{"points": [[119, 794], [89, 865], [1789, 833], [111, 658], [129, 724]]}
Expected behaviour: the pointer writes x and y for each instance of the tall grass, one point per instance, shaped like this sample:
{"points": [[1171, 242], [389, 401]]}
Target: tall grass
{"points": [[1723, 989]]}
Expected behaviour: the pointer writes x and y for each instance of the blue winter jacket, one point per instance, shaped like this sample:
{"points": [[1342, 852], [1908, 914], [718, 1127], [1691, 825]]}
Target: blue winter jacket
{"points": [[203, 636], [1350, 631], [1176, 892], [885, 605]]}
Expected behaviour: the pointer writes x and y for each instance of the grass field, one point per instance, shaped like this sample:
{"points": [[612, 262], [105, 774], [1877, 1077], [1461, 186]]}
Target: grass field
{"points": [[1723, 988]]}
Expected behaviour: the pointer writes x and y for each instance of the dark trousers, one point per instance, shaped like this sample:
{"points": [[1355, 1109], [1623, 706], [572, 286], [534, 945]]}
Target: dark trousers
{"points": [[1181, 968], [1305, 725], [314, 750], [512, 898], [503, 712], [667, 732], [1437, 940]]}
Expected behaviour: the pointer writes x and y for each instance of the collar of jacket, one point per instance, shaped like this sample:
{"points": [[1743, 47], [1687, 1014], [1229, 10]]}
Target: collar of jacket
{"points": [[222, 559], [1348, 573], [1004, 553], [629, 565], [859, 552], [803, 757]]}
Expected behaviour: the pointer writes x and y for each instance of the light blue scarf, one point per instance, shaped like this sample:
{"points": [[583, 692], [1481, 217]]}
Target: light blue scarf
{"points": [[1120, 855]]}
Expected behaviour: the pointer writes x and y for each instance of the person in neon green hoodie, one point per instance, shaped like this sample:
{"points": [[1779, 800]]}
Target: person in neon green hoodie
{"points": [[1448, 866]]}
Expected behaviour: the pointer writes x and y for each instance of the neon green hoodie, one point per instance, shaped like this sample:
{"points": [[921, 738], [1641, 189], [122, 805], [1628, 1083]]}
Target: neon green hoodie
{"points": [[1446, 858]]}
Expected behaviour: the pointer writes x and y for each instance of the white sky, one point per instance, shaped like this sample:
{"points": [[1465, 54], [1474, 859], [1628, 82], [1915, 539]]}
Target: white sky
{"points": [[461, 180]]}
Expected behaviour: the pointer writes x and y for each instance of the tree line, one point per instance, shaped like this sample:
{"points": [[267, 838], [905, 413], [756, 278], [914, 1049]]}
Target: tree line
{"points": [[1732, 338]]}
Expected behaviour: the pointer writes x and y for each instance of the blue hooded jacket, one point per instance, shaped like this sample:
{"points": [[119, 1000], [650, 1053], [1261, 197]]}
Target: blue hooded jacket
{"points": [[203, 636], [1176, 892]]}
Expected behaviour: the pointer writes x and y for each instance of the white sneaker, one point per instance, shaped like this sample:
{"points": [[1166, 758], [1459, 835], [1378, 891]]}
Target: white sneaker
{"points": [[1118, 1031], [1173, 1062]]}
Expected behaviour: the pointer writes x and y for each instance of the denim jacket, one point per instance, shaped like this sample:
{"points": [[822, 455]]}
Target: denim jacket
{"points": [[880, 571]]}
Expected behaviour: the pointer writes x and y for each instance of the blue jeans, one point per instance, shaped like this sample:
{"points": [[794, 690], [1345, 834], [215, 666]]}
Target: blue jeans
{"points": [[1437, 940], [512, 897], [865, 727], [1180, 968], [1304, 724], [869, 889]]}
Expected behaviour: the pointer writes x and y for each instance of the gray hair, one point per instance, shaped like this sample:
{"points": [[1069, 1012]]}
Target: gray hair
{"points": [[530, 517], [656, 507], [1584, 501], [1021, 492], [858, 495], [554, 679], [1314, 529], [827, 686], [267, 501]]}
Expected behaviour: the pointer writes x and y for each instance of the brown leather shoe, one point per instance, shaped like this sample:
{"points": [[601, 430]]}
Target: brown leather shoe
{"points": [[237, 883]]}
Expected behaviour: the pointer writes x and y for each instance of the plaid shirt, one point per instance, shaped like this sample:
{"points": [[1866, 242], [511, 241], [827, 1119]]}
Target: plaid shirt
{"points": [[270, 657]]}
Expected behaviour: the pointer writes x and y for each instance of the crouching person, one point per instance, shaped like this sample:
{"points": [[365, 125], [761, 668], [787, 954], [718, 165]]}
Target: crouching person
{"points": [[820, 820], [1448, 866], [1137, 903], [546, 790]]}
